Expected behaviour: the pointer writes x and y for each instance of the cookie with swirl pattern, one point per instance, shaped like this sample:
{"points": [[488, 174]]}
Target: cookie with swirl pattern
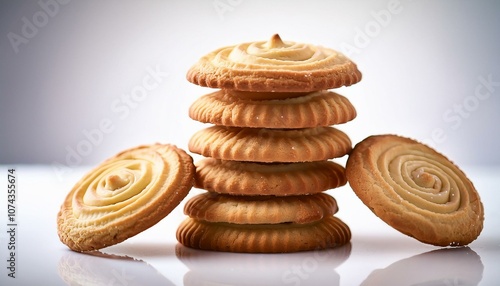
{"points": [[124, 195], [416, 190], [274, 66]]}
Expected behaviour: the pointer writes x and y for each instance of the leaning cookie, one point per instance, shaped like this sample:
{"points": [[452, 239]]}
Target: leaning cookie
{"points": [[213, 207], [321, 108], [270, 145], [264, 238], [251, 178], [274, 66], [416, 190], [124, 195]]}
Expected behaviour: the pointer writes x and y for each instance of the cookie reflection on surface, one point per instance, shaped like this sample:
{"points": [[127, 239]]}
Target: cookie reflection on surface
{"points": [[97, 268], [222, 268], [447, 266]]}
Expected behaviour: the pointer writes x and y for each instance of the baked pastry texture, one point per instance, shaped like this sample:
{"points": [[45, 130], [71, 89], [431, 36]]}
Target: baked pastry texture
{"points": [[214, 207], [263, 238], [124, 195], [278, 179], [274, 66], [268, 149], [270, 145], [416, 190], [321, 108]]}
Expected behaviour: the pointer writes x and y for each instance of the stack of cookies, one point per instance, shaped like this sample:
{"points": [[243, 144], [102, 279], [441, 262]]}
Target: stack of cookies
{"points": [[268, 149]]}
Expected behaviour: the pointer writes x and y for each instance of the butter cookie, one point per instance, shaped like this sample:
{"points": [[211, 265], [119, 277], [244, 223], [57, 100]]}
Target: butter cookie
{"points": [[270, 145], [263, 238], [274, 66], [279, 179], [124, 196], [416, 190], [321, 108], [214, 207]]}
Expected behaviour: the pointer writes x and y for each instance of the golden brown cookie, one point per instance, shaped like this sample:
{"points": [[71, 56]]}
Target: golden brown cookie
{"points": [[250, 178], [274, 66], [214, 207], [124, 195], [263, 238], [416, 190], [321, 108], [270, 145]]}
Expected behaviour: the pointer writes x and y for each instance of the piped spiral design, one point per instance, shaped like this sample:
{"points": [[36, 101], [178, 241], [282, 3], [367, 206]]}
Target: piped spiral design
{"points": [[124, 195], [416, 190], [276, 54], [274, 65]]}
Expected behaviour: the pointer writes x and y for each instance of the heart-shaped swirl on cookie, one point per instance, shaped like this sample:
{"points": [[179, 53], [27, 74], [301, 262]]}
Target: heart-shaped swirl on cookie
{"points": [[124, 195], [274, 65], [416, 190]]}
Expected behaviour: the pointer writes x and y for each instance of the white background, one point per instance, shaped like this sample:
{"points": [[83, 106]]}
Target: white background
{"points": [[422, 64]]}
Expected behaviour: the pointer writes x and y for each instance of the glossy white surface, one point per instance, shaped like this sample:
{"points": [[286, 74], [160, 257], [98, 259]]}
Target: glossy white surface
{"points": [[424, 66], [377, 254]]}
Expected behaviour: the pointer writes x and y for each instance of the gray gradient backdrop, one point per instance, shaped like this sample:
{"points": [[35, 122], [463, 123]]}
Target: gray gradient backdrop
{"points": [[68, 70]]}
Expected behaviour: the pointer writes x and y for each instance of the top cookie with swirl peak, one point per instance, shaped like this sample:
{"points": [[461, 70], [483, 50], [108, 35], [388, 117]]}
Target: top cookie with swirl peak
{"points": [[274, 66]]}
